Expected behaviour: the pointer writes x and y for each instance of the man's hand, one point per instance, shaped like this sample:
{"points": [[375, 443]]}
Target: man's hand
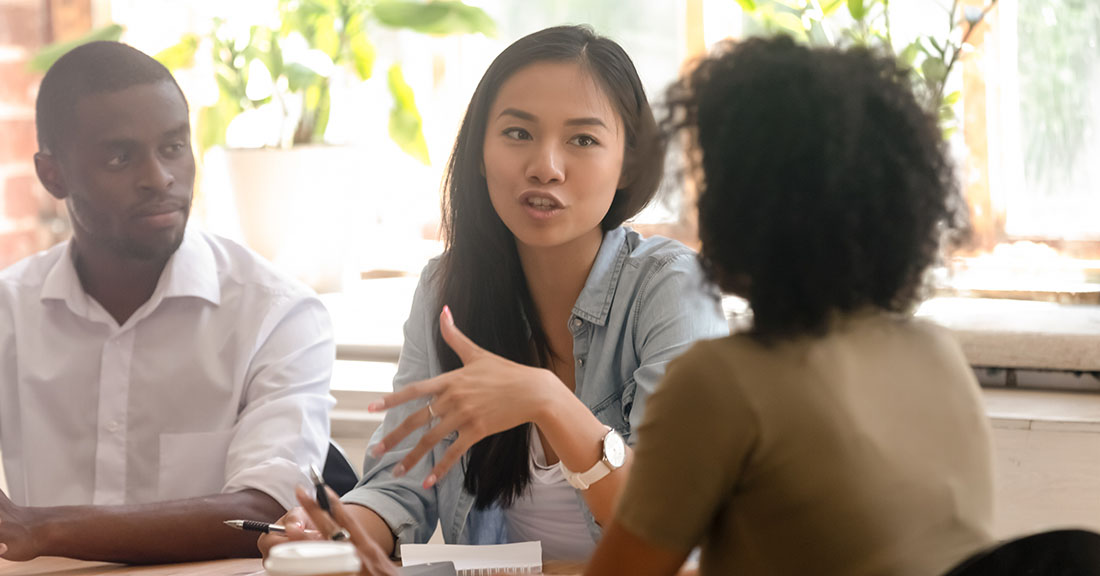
{"points": [[296, 522], [17, 541]]}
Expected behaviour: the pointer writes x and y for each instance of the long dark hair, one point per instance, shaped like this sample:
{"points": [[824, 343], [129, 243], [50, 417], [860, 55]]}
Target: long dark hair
{"points": [[481, 277]]}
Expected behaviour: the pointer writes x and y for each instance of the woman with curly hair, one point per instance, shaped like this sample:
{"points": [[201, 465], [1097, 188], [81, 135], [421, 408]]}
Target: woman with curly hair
{"points": [[839, 435]]}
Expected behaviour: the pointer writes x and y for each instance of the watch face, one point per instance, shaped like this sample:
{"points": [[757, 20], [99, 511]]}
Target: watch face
{"points": [[614, 449]]}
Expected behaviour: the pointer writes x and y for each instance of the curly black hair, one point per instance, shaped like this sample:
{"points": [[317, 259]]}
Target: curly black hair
{"points": [[824, 187]]}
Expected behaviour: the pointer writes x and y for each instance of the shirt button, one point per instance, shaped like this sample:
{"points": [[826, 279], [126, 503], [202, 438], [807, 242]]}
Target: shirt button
{"points": [[577, 322], [580, 361], [112, 426]]}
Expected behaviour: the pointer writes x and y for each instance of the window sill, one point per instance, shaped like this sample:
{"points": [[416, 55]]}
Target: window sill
{"points": [[1021, 335]]}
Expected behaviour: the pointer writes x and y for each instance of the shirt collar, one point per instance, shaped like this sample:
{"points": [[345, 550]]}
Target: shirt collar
{"points": [[594, 303], [62, 283], [191, 271]]}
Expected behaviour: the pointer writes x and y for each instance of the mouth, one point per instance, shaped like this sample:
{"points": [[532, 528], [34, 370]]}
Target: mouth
{"points": [[161, 215], [158, 209], [540, 201]]}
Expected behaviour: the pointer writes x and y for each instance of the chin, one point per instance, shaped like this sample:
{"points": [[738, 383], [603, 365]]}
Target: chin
{"points": [[152, 249]]}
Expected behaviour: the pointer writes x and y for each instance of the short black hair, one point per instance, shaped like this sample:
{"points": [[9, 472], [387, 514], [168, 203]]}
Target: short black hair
{"points": [[824, 186], [90, 68]]}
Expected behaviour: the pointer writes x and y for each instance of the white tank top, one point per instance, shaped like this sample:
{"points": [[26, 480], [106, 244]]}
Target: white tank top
{"points": [[550, 512]]}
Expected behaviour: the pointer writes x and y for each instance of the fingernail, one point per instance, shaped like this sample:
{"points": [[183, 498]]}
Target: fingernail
{"points": [[399, 471], [376, 406], [430, 481], [378, 450], [447, 315]]}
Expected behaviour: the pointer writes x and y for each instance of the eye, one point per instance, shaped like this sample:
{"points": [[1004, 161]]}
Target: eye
{"points": [[516, 134], [584, 141], [175, 148], [118, 159]]}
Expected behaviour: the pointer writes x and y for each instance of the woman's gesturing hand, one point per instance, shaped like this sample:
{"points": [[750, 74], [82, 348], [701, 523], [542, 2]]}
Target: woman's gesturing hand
{"points": [[488, 394], [374, 561]]}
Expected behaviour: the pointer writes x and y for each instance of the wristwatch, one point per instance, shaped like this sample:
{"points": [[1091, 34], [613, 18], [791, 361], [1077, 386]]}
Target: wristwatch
{"points": [[614, 454]]}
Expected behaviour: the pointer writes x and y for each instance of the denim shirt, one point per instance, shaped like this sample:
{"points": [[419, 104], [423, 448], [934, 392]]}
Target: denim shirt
{"points": [[644, 302]]}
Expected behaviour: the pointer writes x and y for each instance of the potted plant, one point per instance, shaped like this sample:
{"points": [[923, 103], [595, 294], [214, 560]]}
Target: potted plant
{"points": [[274, 98], [930, 58], [291, 188]]}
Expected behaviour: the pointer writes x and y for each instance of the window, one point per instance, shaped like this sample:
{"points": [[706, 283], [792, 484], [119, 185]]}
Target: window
{"points": [[1043, 80]]}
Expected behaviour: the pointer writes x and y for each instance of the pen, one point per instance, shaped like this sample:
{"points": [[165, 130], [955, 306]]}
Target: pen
{"points": [[322, 501], [319, 487], [256, 526]]}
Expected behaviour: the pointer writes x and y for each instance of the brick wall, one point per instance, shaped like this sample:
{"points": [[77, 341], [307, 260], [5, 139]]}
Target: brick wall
{"points": [[29, 218]]}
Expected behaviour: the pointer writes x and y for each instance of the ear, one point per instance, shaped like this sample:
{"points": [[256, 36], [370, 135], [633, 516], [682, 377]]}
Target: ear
{"points": [[49, 174]]}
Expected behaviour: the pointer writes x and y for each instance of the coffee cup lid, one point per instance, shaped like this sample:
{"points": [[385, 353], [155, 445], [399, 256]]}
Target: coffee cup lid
{"points": [[310, 557]]}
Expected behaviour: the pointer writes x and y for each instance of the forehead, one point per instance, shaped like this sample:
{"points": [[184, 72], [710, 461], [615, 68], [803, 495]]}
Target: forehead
{"points": [[143, 111], [555, 91]]}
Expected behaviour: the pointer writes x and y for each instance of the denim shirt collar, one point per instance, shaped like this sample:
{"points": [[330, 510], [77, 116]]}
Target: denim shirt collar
{"points": [[594, 302]]}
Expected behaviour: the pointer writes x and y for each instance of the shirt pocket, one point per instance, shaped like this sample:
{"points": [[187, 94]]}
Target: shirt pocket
{"points": [[192, 464], [614, 409]]}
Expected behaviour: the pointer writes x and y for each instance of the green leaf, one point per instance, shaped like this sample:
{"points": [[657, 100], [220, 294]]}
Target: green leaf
{"points": [[909, 54], [51, 53], [747, 5], [935, 45], [362, 56], [855, 8], [405, 124], [315, 114], [830, 6], [952, 98], [273, 56], [299, 77], [213, 121], [788, 23], [182, 55], [792, 4], [934, 70], [442, 17]]}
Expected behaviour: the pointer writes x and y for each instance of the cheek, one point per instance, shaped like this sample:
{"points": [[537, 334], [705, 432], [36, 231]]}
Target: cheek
{"points": [[85, 213], [602, 176], [496, 164]]}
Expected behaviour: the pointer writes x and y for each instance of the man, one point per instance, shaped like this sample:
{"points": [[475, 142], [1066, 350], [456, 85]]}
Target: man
{"points": [[154, 380]]}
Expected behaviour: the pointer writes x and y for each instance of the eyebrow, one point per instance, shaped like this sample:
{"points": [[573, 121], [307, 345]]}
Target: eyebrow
{"points": [[587, 121], [129, 142]]}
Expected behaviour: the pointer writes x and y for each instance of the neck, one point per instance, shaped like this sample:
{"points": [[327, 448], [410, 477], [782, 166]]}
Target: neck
{"points": [[121, 285], [555, 278]]}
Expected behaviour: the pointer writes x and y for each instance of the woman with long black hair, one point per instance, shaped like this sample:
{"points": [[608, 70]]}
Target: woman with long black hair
{"points": [[536, 338]]}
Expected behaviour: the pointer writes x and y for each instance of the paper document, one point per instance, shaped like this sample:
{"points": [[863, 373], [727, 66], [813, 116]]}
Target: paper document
{"points": [[519, 558]]}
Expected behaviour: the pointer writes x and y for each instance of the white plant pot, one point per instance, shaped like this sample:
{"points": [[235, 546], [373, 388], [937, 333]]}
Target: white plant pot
{"points": [[294, 204]]}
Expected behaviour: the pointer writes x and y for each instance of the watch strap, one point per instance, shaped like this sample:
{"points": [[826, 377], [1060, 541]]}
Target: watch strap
{"points": [[584, 480]]}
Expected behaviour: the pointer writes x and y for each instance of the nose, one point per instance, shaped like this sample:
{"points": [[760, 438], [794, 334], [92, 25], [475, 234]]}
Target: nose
{"points": [[155, 175], [546, 165]]}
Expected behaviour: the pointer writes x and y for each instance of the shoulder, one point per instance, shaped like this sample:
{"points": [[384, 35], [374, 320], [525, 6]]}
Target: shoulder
{"points": [[31, 271], [709, 375], [665, 273], [241, 269], [657, 261], [658, 254], [21, 284]]}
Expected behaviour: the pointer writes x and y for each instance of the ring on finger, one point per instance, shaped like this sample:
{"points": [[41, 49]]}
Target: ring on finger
{"points": [[430, 411]]}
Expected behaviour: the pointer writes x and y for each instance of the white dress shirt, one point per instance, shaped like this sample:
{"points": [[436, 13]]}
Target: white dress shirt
{"points": [[218, 383]]}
